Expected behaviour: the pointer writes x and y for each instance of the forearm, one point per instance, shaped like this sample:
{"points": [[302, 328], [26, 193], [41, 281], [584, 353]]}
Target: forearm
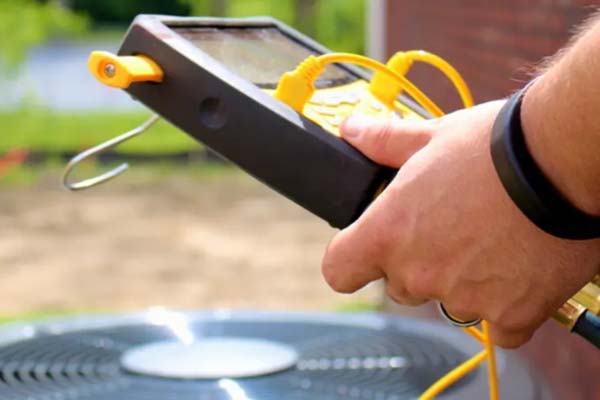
{"points": [[561, 121]]}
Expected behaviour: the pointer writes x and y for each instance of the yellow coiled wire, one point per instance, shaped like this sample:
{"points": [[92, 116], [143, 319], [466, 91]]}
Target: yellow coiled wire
{"points": [[296, 87]]}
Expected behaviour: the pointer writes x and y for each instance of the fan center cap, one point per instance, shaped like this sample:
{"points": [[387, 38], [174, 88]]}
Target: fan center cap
{"points": [[210, 358]]}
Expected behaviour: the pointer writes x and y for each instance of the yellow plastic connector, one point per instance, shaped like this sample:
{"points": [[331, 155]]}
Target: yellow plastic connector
{"points": [[384, 87], [387, 90], [296, 87], [122, 71]]}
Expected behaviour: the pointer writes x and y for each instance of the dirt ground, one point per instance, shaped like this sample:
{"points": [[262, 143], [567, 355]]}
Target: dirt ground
{"points": [[193, 242]]}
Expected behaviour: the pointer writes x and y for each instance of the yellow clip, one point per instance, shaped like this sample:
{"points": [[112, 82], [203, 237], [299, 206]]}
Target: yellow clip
{"points": [[121, 71], [296, 87], [383, 86]]}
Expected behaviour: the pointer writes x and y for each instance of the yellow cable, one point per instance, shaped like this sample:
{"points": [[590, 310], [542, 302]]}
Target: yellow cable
{"points": [[454, 375], [407, 85], [491, 353], [295, 88], [475, 333], [447, 69]]}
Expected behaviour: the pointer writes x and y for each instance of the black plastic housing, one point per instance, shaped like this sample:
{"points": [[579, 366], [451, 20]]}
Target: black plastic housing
{"points": [[245, 125]]}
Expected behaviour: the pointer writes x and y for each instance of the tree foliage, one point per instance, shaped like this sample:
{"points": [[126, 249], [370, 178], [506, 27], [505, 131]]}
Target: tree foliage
{"points": [[338, 24], [123, 11], [27, 23]]}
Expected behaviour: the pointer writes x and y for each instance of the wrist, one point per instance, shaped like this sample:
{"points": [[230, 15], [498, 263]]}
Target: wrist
{"points": [[566, 156], [526, 183]]}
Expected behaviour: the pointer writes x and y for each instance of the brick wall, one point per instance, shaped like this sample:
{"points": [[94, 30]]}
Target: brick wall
{"points": [[493, 43]]}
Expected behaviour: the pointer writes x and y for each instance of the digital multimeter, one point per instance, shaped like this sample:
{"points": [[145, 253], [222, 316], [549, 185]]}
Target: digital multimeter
{"points": [[216, 84]]}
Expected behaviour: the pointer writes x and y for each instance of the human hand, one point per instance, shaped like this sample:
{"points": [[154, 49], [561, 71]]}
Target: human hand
{"points": [[445, 229]]}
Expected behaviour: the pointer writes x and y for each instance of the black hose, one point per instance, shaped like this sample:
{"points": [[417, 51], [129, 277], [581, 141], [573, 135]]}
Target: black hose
{"points": [[588, 327]]}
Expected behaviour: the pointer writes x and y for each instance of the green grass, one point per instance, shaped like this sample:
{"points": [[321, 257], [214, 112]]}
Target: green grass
{"points": [[33, 316], [358, 306], [42, 315], [141, 173], [22, 175], [38, 129], [353, 306]]}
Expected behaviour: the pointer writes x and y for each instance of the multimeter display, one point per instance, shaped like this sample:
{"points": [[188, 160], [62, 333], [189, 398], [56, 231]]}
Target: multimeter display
{"points": [[260, 55]]}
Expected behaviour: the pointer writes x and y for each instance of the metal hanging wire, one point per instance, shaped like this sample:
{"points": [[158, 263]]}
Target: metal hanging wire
{"points": [[96, 150]]}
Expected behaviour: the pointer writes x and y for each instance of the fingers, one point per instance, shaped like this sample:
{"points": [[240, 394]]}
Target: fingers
{"points": [[350, 260], [501, 334], [509, 339], [388, 142], [401, 296], [354, 256], [377, 240], [510, 327], [460, 314], [358, 254]]}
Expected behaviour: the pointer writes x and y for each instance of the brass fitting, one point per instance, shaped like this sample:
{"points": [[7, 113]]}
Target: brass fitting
{"points": [[586, 299], [568, 314], [589, 297]]}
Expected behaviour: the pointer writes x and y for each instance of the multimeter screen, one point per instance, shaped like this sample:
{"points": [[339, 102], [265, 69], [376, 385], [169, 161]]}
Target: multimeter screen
{"points": [[259, 54]]}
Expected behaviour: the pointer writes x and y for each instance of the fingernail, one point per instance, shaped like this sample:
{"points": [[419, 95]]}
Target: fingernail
{"points": [[354, 125]]}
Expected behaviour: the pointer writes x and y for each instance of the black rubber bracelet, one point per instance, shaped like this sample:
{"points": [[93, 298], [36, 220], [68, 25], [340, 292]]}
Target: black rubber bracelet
{"points": [[527, 185]]}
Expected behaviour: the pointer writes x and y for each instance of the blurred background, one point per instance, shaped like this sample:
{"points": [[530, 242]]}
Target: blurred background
{"points": [[182, 228]]}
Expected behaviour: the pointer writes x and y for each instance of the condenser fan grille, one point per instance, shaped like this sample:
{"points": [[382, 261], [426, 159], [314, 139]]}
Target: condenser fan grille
{"points": [[335, 362]]}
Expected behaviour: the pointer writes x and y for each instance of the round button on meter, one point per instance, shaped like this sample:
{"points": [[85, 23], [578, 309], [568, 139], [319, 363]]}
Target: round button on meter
{"points": [[213, 114]]}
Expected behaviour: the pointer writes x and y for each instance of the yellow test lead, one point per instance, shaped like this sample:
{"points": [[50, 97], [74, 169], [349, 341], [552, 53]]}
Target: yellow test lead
{"points": [[491, 356], [446, 68], [454, 375], [295, 88]]}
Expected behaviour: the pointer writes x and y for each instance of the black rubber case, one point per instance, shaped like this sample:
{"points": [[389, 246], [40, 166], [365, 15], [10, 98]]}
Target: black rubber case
{"points": [[247, 126]]}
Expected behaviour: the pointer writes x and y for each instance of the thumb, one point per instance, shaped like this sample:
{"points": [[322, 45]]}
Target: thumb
{"points": [[389, 142]]}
